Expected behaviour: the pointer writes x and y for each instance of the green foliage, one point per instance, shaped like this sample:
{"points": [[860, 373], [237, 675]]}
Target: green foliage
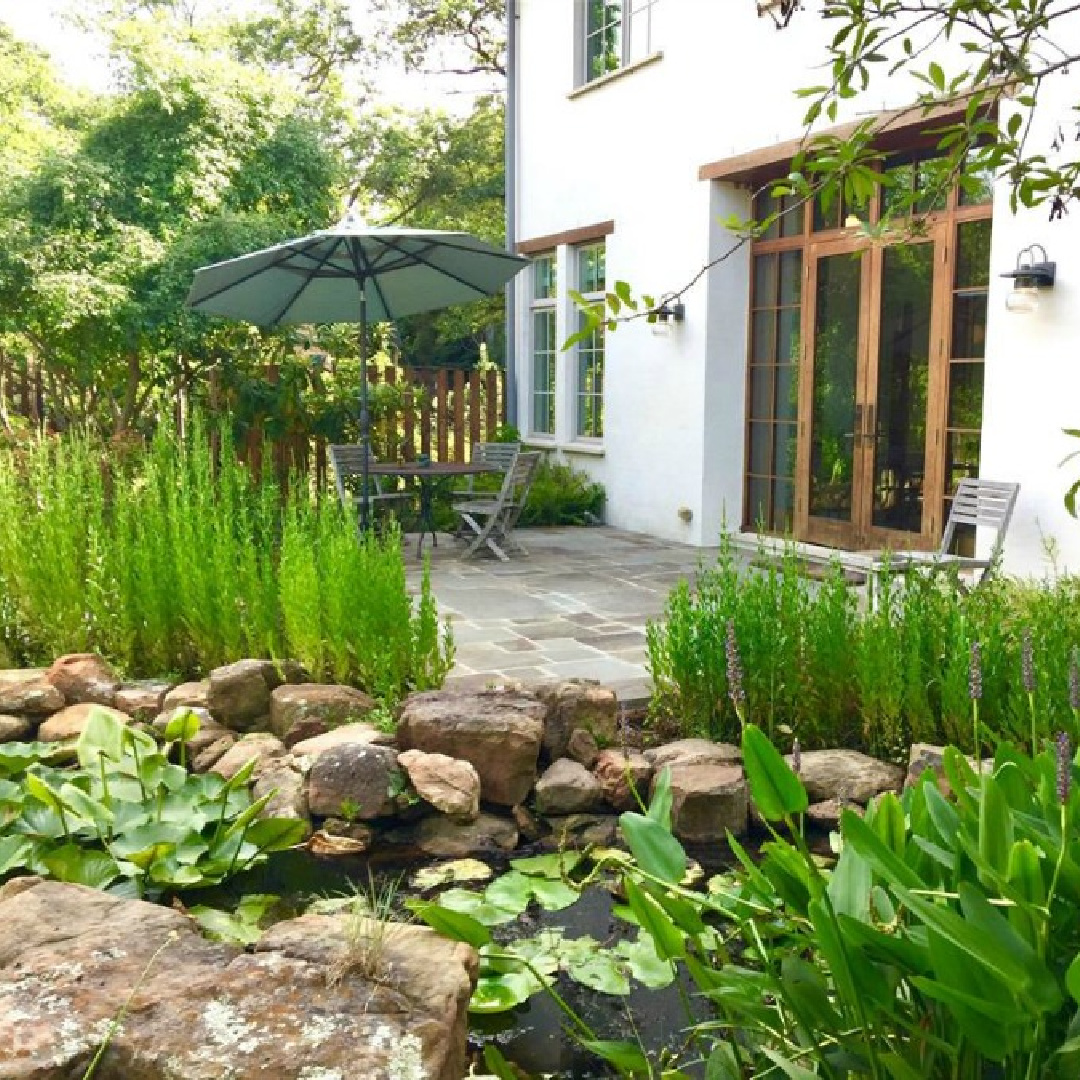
{"points": [[818, 668], [563, 495], [175, 558], [130, 821]]}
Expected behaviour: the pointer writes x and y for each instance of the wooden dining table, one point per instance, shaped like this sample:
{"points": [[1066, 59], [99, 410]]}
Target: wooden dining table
{"points": [[428, 473]]}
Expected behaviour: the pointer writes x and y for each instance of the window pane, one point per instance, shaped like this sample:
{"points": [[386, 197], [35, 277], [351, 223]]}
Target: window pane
{"points": [[966, 396], [787, 392], [976, 186], [641, 43], [591, 272], [790, 277], [763, 349], [603, 37], [896, 189], [969, 327], [972, 254], [791, 221], [961, 458], [783, 491], [544, 283], [761, 403], [932, 183], [765, 281], [543, 366], [760, 439], [757, 503], [784, 459], [789, 335]]}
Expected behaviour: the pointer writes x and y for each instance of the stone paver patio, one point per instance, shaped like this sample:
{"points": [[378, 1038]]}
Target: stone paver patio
{"points": [[577, 605]]}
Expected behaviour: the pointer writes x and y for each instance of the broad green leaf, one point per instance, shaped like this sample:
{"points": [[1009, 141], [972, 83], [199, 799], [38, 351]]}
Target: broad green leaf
{"points": [[888, 822], [95, 869], [102, 736], [558, 864], [723, 1064], [497, 1064], [276, 834], [1072, 978], [554, 895], [867, 843], [657, 852], [183, 727], [451, 924], [501, 993], [899, 1069], [652, 919], [660, 803], [995, 825], [791, 1069], [477, 906], [849, 884], [627, 1058], [776, 790], [601, 971], [644, 963]]}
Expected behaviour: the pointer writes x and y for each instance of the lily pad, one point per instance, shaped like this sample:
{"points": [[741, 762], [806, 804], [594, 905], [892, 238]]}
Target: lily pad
{"points": [[558, 864], [478, 906], [502, 993], [431, 877]]}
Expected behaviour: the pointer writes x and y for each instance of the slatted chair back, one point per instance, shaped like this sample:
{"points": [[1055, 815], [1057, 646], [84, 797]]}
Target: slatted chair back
{"points": [[986, 503], [347, 461]]}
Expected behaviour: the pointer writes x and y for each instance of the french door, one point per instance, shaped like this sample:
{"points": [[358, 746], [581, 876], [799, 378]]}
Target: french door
{"points": [[873, 374]]}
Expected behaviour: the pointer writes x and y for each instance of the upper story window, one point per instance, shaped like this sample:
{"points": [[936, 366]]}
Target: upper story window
{"points": [[615, 33], [545, 346], [589, 414]]}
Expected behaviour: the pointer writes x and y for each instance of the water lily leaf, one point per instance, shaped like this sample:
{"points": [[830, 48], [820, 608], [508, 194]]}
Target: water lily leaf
{"points": [[601, 971], [16, 757], [77, 801], [558, 864], [96, 869], [102, 736], [500, 993], [37, 819], [511, 892], [656, 850], [554, 895], [431, 877], [644, 964], [478, 906], [455, 925], [239, 928]]}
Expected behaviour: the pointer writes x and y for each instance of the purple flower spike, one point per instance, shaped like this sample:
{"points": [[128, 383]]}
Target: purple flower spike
{"points": [[975, 672], [1027, 661], [1063, 753], [1074, 680], [734, 667]]}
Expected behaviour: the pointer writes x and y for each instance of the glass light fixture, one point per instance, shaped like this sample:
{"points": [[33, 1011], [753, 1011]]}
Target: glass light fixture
{"points": [[666, 315], [1031, 276]]}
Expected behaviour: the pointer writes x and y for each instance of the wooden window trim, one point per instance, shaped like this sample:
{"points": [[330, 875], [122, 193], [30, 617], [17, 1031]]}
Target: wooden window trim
{"points": [[583, 234]]}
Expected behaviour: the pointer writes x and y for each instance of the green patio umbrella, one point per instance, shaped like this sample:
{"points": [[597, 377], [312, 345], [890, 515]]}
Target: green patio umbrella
{"points": [[354, 273]]}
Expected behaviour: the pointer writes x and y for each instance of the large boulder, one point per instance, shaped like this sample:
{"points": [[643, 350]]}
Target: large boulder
{"points": [[69, 722], [577, 703], [260, 747], [239, 693], [84, 677], [308, 1004], [846, 775], [497, 731], [143, 699], [450, 785], [328, 704], [354, 780], [620, 774], [15, 728], [707, 802], [284, 783], [362, 733], [27, 690], [193, 694], [488, 834], [694, 752], [567, 787]]}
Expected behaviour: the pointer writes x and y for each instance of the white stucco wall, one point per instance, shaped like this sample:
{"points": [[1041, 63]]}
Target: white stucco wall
{"points": [[629, 150]]}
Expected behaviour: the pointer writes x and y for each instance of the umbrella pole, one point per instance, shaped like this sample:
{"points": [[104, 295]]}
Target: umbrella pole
{"points": [[365, 419]]}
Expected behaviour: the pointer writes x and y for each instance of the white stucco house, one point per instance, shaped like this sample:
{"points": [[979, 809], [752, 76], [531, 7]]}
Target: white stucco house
{"points": [[819, 385]]}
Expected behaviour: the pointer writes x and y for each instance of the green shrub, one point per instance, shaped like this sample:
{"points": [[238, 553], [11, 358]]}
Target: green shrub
{"points": [[562, 495], [175, 559], [818, 668]]}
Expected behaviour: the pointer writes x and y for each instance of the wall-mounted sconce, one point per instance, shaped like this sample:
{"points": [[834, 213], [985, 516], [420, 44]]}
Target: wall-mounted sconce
{"points": [[1030, 277], [665, 315]]}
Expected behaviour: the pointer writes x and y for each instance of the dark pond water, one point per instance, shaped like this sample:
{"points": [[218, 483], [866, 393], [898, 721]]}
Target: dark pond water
{"points": [[532, 1036]]}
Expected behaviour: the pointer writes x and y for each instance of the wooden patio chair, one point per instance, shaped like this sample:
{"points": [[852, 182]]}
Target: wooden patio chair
{"points": [[489, 521], [982, 503], [347, 462], [501, 457]]}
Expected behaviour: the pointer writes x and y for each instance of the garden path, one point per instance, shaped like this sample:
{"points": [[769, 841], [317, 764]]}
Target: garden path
{"points": [[576, 606]]}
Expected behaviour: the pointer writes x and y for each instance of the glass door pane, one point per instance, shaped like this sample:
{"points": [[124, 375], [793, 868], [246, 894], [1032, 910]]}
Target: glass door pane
{"points": [[897, 412], [835, 362]]}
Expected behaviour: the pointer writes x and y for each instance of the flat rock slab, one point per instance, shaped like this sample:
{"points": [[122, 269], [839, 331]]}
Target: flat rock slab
{"points": [[331, 704], [69, 722], [708, 801], [347, 733], [846, 775], [694, 752], [450, 785], [621, 774], [84, 677], [488, 835], [497, 731], [27, 690], [567, 787], [577, 704], [70, 958]]}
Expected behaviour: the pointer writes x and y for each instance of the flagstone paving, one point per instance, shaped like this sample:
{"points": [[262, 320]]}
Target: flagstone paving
{"points": [[577, 605]]}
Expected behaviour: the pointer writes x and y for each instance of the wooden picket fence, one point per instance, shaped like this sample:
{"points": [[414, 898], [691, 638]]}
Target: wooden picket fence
{"points": [[446, 412]]}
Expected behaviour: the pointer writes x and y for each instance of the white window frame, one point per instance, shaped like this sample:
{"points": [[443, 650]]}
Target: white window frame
{"points": [[635, 30], [543, 362], [589, 355]]}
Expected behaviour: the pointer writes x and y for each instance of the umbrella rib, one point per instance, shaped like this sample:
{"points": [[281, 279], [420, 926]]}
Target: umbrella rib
{"points": [[287, 251], [419, 257], [306, 281], [365, 274]]}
